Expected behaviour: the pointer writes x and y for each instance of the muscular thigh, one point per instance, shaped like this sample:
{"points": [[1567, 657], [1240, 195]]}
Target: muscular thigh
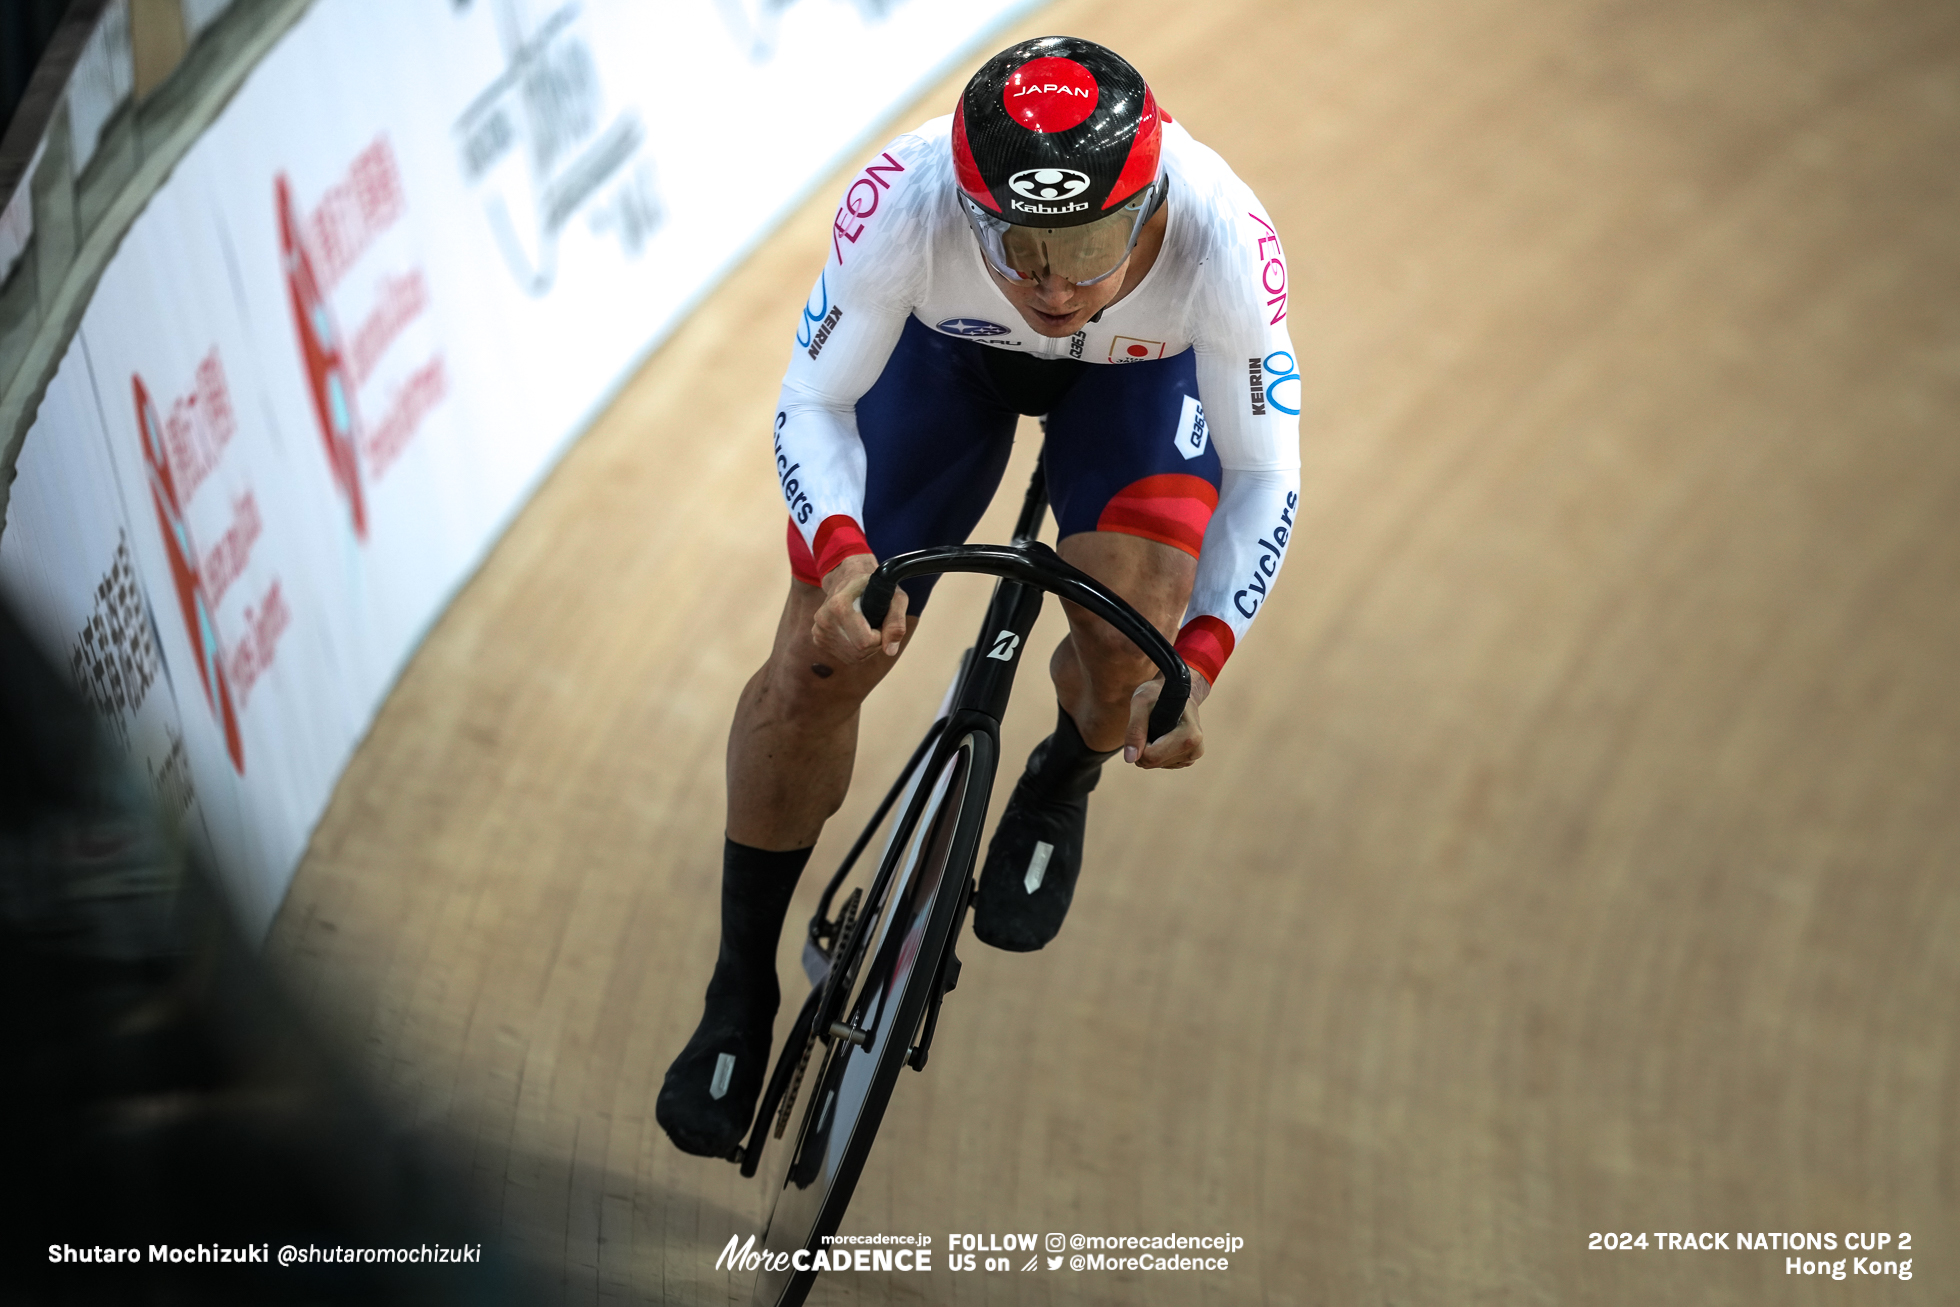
{"points": [[801, 680], [1133, 481], [1128, 453], [1152, 578]]}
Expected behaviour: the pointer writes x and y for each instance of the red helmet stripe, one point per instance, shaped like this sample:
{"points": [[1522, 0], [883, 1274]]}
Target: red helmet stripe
{"points": [[964, 168], [1140, 169]]}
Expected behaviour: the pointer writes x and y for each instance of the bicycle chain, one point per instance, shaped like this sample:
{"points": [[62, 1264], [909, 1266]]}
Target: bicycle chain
{"points": [[845, 919]]}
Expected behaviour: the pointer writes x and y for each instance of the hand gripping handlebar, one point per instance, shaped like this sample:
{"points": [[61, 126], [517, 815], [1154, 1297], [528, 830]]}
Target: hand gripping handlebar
{"points": [[1035, 564]]}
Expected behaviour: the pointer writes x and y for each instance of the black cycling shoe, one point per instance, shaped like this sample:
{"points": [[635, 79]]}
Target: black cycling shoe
{"points": [[710, 1091], [709, 1094], [1028, 880]]}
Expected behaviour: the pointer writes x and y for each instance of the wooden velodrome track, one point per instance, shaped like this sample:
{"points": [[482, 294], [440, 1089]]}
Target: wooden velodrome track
{"points": [[1576, 848]]}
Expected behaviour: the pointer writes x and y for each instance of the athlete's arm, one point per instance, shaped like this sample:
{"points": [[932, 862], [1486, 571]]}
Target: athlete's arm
{"points": [[1248, 380], [849, 325]]}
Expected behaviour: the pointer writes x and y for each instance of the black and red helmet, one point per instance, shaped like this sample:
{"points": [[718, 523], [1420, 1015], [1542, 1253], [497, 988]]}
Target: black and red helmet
{"points": [[1056, 132]]}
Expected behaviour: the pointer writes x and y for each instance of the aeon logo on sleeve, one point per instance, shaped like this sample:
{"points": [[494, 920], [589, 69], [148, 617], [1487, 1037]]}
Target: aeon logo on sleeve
{"points": [[1048, 183], [861, 201], [971, 327], [1272, 270]]}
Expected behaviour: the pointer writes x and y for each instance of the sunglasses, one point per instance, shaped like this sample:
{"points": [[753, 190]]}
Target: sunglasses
{"points": [[1081, 255]]}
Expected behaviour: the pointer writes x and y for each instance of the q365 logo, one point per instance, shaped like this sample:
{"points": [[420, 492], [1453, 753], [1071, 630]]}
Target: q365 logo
{"points": [[971, 327], [1048, 183]]}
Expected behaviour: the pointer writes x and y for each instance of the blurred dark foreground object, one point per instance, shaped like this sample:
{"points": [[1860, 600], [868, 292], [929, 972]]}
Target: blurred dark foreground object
{"points": [[156, 1090]]}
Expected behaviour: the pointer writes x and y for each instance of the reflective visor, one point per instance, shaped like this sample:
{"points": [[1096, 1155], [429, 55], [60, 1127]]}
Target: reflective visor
{"points": [[1081, 255]]}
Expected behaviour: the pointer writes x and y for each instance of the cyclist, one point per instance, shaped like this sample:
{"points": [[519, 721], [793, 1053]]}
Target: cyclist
{"points": [[1056, 247]]}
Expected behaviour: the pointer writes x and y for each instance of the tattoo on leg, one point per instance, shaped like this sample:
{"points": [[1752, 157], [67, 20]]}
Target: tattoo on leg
{"points": [[822, 671]]}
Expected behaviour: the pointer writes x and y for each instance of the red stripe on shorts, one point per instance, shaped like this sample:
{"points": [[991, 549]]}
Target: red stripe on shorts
{"points": [[1205, 643], [1171, 508]]}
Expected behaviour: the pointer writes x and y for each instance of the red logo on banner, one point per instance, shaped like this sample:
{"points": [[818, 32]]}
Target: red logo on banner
{"points": [[320, 250], [354, 212], [326, 368], [200, 447]]}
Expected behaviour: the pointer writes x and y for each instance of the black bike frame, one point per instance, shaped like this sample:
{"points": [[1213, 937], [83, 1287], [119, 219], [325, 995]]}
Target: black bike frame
{"points": [[1027, 570]]}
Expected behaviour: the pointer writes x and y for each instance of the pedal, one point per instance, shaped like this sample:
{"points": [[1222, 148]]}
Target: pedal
{"points": [[816, 963], [949, 980]]}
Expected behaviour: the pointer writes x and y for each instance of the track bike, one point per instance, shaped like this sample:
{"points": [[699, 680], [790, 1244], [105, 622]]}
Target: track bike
{"points": [[881, 966]]}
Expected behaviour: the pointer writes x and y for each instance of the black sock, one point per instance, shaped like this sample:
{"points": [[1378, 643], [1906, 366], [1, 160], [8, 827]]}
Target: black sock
{"points": [[1062, 766], [756, 885]]}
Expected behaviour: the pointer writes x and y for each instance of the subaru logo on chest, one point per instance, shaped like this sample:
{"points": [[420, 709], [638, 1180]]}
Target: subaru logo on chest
{"points": [[971, 327]]}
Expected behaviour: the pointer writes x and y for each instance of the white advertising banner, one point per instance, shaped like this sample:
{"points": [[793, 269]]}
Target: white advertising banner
{"points": [[68, 563], [416, 253]]}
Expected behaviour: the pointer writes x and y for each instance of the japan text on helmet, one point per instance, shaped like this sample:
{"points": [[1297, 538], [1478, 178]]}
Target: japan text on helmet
{"points": [[1058, 152]]}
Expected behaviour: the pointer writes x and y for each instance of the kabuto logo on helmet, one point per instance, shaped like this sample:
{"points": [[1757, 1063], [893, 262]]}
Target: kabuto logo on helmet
{"points": [[1048, 183], [1055, 132]]}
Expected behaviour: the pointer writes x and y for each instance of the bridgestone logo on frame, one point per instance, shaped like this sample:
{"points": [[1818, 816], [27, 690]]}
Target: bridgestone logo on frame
{"points": [[1257, 377]]}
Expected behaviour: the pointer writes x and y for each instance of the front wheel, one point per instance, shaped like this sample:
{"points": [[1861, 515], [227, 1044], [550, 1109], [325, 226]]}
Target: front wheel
{"points": [[848, 1097]]}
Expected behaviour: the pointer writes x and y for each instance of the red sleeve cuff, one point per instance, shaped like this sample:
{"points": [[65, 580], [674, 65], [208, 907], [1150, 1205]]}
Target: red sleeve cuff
{"points": [[838, 538], [1204, 644]]}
